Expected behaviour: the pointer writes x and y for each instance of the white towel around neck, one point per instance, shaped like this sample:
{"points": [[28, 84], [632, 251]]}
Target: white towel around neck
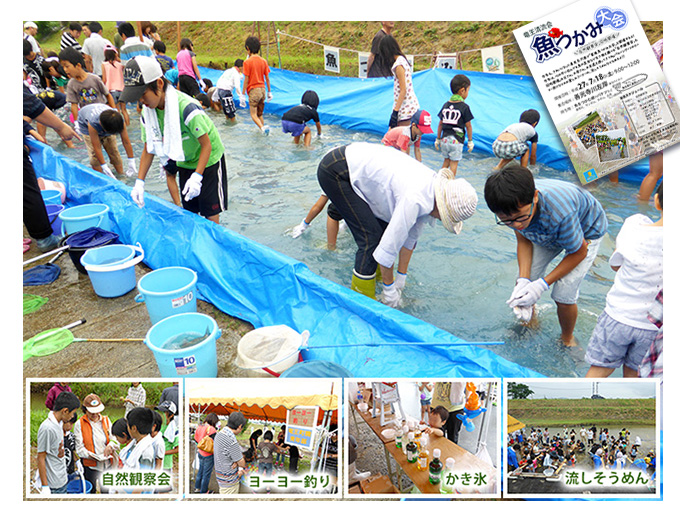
{"points": [[168, 144]]}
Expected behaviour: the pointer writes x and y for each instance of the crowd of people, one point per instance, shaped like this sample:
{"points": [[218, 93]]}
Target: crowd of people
{"points": [[83, 448], [538, 450]]}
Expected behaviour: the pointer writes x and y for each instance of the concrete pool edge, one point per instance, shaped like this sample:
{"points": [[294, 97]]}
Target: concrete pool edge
{"points": [[257, 284]]}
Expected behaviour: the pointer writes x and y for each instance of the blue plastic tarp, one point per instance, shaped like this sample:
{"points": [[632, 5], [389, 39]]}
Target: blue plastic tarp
{"points": [[365, 104], [257, 284]]}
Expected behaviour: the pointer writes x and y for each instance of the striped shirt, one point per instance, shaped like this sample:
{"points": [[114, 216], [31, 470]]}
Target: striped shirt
{"points": [[226, 450], [567, 214], [68, 41]]}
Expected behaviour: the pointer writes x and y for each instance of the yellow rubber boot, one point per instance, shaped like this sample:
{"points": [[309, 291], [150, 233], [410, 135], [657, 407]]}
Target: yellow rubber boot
{"points": [[364, 285]]}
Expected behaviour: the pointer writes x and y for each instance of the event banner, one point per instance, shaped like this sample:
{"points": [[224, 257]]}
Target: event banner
{"points": [[602, 84]]}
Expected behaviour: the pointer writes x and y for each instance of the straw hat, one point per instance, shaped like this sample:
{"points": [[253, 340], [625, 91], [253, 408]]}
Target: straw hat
{"points": [[456, 200]]}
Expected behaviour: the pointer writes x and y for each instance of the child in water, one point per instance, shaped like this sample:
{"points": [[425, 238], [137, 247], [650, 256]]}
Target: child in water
{"points": [[294, 121], [454, 121], [514, 141]]}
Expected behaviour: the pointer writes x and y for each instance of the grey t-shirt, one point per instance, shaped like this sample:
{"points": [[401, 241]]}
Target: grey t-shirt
{"points": [[89, 115], [90, 90], [523, 132], [50, 436]]}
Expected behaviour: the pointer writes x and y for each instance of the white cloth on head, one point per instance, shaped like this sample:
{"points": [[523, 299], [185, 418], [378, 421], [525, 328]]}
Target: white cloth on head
{"points": [[168, 144]]}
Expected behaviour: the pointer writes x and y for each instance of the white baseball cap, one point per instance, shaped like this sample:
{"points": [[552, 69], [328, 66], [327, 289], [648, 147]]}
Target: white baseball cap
{"points": [[138, 73]]}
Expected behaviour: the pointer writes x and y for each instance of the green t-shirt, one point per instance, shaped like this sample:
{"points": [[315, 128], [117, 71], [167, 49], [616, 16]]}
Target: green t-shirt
{"points": [[194, 123], [169, 445]]}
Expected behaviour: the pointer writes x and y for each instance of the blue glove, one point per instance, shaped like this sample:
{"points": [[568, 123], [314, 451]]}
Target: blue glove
{"points": [[394, 118], [529, 294]]}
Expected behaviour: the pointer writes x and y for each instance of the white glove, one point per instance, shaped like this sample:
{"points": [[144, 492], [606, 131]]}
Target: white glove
{"points": [[202, 84], [523, 313], [391, 295], [161, 172], [400, 281], [270, 96], [471, 145], [192, 188], [137, 193], [529, 294], [45, 490], [299, 229], [131, 167], [519, 285], [437, 144], [242, 101], [107, 171]]}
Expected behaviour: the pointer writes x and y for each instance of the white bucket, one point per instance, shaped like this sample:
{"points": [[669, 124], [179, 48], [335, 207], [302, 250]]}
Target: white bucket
{"points": [[270, 350]]}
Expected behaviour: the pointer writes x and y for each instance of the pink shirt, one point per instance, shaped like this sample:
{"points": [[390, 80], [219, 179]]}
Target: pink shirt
{"points": [[201, 432], [400, 138], [184, 63], [114, 75]]}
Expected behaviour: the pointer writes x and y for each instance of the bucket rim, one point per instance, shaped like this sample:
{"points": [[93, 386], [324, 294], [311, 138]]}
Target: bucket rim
{"points": [[155, 272], [105, 209], [50, 192], [84, 259], [172, 352]]}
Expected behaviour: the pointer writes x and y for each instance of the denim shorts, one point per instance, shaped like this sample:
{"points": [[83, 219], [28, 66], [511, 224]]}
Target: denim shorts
{"points": [[451, 148], [509, 150], [613, 344], [566, 289]]}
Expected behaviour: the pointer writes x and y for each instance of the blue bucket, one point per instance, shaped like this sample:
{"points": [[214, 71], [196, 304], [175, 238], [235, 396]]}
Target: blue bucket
{"points": [[199, 360], [81, 217], [53, 211], [51, 196], [168, 291], [112, 268], [76, 486]]}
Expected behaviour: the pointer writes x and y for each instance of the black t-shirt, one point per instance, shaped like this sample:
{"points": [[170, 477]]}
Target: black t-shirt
{"points": [[453, 117], [301, 114], [378, 67]]}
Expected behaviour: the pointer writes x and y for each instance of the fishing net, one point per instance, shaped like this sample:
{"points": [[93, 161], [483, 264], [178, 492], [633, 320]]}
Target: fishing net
{"points": [[267, 346], [92, 237], [47, 342], [33, 303], [42, 274]]}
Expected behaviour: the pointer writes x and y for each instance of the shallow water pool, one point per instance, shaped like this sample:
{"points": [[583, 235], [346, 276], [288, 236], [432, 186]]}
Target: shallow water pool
{"points": [[458, 283]]}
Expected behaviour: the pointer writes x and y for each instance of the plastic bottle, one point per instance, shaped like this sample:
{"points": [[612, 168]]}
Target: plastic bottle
{"points": [[446, 481], [360, 397], [411, 449], [416, 438], [399, 438], [422, 460], [436, 467]]}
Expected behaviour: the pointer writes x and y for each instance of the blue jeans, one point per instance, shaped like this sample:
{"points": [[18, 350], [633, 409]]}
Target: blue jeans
{"points": [[205, 469], [265, 468], [367, 230], [60, 490]]}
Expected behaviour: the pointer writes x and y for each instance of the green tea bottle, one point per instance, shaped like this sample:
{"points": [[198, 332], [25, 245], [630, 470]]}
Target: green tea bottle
{"points": [[399, 438], [411, 449], [436, 467]]}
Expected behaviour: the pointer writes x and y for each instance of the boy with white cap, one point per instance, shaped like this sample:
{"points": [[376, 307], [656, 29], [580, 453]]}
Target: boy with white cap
{"points": [[176, 128], [30, 31], [386, 198]]}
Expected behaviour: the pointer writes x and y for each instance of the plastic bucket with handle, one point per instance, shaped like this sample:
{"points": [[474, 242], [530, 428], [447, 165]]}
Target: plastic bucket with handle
{"points": [[112, 268], [167, 338], [80, 217], [168, 291], [51, 196], [53, 211]]}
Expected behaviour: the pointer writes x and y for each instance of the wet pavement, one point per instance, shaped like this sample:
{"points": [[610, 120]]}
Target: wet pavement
{"points": [[71, 297]]}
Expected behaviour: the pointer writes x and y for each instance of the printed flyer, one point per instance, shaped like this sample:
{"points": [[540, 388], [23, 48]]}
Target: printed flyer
{"points": [[602, 84]]}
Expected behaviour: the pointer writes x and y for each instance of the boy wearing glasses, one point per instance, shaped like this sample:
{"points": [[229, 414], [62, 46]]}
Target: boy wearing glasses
{"points": [[549, 217]]}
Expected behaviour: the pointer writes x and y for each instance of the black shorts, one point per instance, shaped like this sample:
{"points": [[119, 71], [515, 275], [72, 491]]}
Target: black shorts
{"points": [[189, 85], [227, 101], [214, 191]]}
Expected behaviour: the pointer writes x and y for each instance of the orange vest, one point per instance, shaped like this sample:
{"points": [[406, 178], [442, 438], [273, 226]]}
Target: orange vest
{"points": [[88, 440]]}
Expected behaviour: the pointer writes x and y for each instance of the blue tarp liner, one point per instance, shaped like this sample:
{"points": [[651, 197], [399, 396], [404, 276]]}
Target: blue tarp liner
{"points": [[365, 104], [257, 284]]}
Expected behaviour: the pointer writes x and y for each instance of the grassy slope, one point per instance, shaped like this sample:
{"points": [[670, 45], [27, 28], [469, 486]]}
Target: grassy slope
{"points": [[553, 412], [217, 42]]}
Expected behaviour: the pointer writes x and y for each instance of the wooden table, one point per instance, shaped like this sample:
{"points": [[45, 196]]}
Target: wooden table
{"points": [[465, 461]]}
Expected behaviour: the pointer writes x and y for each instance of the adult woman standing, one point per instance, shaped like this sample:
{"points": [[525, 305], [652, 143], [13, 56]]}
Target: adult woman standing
{"points": [[206, 459], [405, 100], [93, 436]]}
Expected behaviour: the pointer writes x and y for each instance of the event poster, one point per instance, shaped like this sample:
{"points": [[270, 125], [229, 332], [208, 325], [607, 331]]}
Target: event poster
{"points": [[602, 84]]}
